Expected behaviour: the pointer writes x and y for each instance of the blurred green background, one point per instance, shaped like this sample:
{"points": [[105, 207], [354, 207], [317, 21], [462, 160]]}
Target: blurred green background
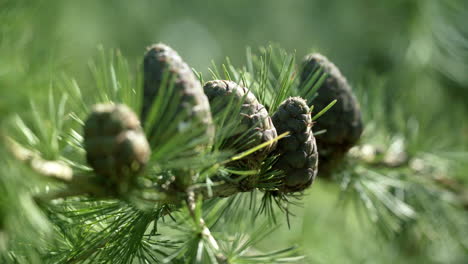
{"points": [[361, 36], [416, 49]]}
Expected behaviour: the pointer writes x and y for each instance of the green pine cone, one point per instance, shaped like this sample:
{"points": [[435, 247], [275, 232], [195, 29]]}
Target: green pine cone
{"points": [[255, 125], [343, 122], [160, 58], [298, 156], [116, 147]]}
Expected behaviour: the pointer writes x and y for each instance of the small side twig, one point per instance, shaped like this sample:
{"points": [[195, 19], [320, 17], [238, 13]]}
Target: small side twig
{"points": [[205, 231], [373, 156], [53, 169]]}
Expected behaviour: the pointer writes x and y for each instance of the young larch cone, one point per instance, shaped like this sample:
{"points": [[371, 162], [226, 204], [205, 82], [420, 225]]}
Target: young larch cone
{"points": [[116, 147], [298, 156], [254, 125], [159, 60], [343, 122]]}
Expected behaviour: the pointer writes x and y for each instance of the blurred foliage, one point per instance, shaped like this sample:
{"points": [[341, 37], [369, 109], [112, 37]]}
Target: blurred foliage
{"points": [[407, 41], [411, 53]]}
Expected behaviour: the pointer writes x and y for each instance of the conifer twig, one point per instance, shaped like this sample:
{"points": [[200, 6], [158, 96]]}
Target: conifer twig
{"points": [[369, 155], [205, 231], [53, 169], [83, 184]]}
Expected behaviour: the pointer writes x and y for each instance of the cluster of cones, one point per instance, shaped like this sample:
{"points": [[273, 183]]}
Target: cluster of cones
{"points": [[116, 145]]}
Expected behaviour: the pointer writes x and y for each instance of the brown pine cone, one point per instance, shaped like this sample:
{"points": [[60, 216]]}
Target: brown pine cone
{"points": [[193, 104], [298, 156], [255, 126], [116, 147], [342, 122]]}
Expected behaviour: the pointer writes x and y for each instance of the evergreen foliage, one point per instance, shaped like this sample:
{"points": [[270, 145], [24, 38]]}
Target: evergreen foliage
{"points": [[398, 196], [82, 221]]}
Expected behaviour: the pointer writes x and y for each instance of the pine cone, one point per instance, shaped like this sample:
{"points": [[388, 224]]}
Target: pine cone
{"points": [[343, 121], [115, 144], [255, 125], [298, 156], [160, 58]]}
